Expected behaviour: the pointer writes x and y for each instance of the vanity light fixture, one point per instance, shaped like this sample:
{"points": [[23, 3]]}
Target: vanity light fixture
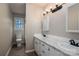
{"points": [[58, 7]]}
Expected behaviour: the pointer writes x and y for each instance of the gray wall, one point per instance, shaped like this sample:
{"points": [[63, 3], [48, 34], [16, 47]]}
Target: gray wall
{"points": [[58, 24], [33, 24], [5, 29]]}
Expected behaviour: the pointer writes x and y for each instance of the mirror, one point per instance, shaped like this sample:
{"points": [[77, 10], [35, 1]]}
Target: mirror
{"points": [[72, 18], [45, 24]]}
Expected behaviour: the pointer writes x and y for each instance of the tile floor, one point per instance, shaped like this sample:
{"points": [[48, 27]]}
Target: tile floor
{"points": [[20, 52]]}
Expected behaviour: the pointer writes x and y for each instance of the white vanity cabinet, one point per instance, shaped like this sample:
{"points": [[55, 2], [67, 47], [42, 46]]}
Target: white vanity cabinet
{"points": [[58, 53], [43, 49], [37, 46]]}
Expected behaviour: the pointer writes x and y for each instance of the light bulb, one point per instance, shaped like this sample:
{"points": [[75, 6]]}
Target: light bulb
{"points": [[44, 13]]}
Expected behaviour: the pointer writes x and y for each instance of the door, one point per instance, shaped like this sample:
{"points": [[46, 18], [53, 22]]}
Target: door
{"points": [[18, 28]]}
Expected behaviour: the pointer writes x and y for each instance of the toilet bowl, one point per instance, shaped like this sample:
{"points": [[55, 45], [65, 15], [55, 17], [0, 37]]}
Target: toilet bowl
{"points": [[19, 39], [19, 42]]}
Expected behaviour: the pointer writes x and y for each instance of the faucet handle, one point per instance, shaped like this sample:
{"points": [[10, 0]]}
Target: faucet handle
{"points": [[77, 44], [72, 42], [44, 35]]}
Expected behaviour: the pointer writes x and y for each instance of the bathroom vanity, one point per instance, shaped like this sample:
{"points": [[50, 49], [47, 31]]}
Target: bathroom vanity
{"points": [[53, 46]]}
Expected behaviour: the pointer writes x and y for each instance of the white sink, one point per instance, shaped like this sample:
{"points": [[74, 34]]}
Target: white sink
{"points": [[69, 48]]}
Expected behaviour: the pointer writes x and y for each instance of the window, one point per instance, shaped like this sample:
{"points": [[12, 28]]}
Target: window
{"points": [[19, 23]]}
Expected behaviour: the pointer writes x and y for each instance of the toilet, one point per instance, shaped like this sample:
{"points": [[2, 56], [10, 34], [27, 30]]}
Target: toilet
{"points": [[19, 40]]}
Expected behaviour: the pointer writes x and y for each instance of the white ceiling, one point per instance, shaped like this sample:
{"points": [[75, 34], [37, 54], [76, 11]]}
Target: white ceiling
{"points": [[40, 5], [44, 5], [18, 8]]}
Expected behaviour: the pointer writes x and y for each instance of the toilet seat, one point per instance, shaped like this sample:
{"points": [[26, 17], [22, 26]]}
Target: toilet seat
{"points": [[18, 40]]}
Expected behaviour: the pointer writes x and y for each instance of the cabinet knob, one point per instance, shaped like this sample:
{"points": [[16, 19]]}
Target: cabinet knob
{"points": [[48, 49]]}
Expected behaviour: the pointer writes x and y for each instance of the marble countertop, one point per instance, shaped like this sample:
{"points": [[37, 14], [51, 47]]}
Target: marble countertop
{"points": [[59, 43]]}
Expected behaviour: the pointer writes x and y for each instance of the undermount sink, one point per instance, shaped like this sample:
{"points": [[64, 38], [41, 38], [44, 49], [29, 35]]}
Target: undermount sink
{"points": [[68, 47], [65, 45]]}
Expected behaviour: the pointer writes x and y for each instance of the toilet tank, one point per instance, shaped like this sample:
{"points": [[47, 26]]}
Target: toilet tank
{"points": [[19, 35]]}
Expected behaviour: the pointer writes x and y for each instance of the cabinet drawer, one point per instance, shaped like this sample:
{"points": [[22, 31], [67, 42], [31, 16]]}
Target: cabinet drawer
{"points": [[44, 45], [55, 52], [44, 49], [36, 41]]}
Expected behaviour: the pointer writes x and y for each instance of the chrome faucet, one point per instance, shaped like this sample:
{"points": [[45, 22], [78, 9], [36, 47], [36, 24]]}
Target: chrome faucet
{"points": [[44, 35], [72, 42]]}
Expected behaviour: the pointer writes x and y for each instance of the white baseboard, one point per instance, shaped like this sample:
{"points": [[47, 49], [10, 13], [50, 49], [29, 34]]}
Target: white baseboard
{"points": [[8, 51], [28, 51]]}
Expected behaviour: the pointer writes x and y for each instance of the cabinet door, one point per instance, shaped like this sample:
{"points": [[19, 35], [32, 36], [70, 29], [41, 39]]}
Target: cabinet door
{"points": [[72, 20], [51, 51], [43, 49], [54, 52], [36, 45], [59, 53], [39, 48]]}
